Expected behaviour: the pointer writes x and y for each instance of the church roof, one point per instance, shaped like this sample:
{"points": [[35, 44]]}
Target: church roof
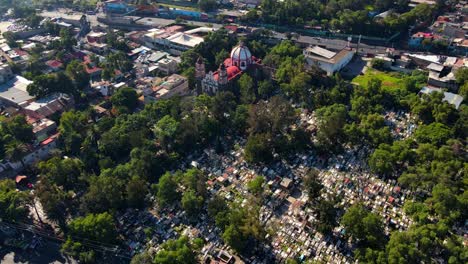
{"points": [[232, 72]]}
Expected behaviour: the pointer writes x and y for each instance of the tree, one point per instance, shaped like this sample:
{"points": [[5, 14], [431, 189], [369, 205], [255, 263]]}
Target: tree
{"points": [[265, 89], [78, 251], [216, 205], [221, 56], [191, 203], [331, 121], [53, 200], [62, 172], [136, 191], [327, 212], [142, 258], [47, 84], [255, 186], [240, 118], [72, 126], [125, 100], [258, 149], [20, 129], [76, 71], [12, 203], [195, 179], [177, 251], [364, 226], [463, 91], [167, 190], [312, 184], [97, 227], [10, 37], [16, 151], [273, 117], [462, 76], [234, 237], [434, 133], [378, 64], [165, 130], [67, 41], [380, 162], [247, 91], [104, 192], [207, 5]]}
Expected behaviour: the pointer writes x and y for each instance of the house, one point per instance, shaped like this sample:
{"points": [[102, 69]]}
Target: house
{"points": [[96, 37], [105, 88], [451, 98], [416, 40], [97, 47], [48, 106], [42, 127], [167, 66], [90, 66], [286, 183], [440, 76], [327, 60], [54, 65], [166, 88]]}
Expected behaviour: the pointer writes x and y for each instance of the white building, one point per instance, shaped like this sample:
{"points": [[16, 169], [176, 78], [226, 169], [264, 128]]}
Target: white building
{"points": [[13, 92], [327, 60]]}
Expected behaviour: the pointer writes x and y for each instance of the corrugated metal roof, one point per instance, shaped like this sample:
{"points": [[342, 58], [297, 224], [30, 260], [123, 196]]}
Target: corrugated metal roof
{"points": [[322, 52]]}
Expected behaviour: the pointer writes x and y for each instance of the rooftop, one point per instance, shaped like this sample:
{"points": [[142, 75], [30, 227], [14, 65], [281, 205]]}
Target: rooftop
{"points": [[185, 39], [322, 54], [15, 90], [451, 98]]}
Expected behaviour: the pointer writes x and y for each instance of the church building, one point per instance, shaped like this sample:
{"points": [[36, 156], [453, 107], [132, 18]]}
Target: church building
{"points": [[241, 60]]}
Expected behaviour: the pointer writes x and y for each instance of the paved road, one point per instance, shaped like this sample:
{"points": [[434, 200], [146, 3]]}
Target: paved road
{"points": [[335, 44]]}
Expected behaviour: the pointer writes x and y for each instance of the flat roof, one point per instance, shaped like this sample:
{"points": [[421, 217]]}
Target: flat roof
{"points": [[326, 55], [435, 67], [15, 90], [321, 52]]}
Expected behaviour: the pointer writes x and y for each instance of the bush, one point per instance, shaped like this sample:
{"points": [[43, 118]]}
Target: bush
{"points": [[378, 64]]}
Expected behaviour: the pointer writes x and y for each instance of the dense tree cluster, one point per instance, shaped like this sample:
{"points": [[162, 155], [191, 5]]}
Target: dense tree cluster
{"points": [[15, 136], [241, 228], [12, 203], [348, 16], [180, 250]]}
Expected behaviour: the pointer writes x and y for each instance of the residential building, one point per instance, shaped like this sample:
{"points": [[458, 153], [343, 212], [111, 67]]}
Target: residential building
{"points": [[54, 65], [167, 66], [166, 88], [99, 37], [50, 105]]}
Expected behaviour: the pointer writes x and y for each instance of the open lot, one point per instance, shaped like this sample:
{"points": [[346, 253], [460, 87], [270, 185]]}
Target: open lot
{"points": [[389, 80]]}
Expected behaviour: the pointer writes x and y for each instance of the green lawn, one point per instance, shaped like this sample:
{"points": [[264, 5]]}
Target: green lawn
{"points": [[389, 80]]}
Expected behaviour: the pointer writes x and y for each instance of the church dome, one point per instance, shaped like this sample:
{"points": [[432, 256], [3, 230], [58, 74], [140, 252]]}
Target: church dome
{"points": [[241, 56]]}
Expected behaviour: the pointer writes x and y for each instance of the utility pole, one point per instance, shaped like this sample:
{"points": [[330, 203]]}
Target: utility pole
{"points": [[359, 42]]}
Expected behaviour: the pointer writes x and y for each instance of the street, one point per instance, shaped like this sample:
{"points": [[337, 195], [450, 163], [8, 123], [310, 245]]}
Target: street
{"points": [[334, 44]]}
